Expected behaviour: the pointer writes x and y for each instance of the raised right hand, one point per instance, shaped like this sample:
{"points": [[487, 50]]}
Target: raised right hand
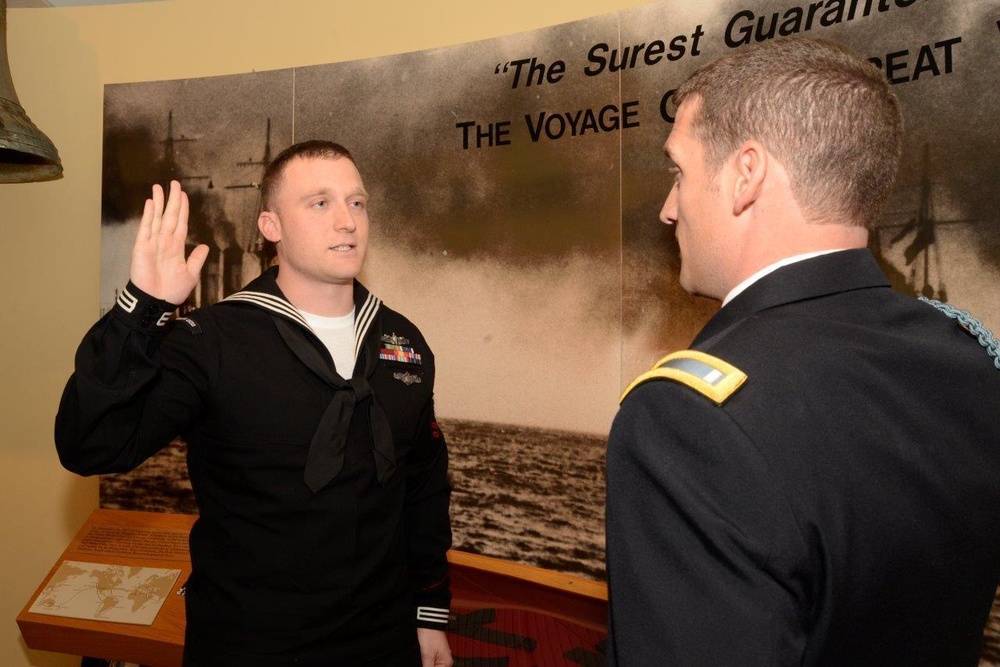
{"points": [[158, 265]]}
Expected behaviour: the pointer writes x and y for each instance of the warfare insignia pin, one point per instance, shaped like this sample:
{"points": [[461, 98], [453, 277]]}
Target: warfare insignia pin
{"points": [[407, 378], [393, 339]]}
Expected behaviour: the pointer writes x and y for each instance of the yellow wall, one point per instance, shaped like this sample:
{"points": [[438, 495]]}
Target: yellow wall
{"points": [[60, 59]]}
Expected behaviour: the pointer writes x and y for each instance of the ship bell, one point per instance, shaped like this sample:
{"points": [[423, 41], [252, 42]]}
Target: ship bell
{"points": [[26, 154]]}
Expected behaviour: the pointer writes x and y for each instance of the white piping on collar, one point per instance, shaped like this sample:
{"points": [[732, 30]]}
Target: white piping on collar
{"points": [[362, 321], [272, 303]]}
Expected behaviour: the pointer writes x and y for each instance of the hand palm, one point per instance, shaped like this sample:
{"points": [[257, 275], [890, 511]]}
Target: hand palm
{"points": [[158, 266]]}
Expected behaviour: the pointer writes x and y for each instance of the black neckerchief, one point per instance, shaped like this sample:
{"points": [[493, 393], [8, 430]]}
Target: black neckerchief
{"points": [[329, 443]]}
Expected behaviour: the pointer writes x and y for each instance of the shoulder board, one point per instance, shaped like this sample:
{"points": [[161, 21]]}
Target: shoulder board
{"points": [[708, 375]]}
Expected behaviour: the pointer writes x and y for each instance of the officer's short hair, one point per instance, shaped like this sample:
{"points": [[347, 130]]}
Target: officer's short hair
{"points": [[825, 113]]}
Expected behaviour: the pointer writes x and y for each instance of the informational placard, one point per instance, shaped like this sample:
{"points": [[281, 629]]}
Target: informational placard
{"points": [[109, 540], [102, 592]]}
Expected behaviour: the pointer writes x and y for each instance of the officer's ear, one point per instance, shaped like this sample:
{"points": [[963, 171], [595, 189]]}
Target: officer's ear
{"points": [[269, 225], [752, 162]]}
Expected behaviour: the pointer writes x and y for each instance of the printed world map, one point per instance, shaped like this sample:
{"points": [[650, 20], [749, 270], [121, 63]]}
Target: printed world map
{"points": [[102, 592]]}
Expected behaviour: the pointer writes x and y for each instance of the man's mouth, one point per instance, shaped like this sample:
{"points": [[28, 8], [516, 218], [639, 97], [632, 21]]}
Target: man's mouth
{"points": [[343, 247]]}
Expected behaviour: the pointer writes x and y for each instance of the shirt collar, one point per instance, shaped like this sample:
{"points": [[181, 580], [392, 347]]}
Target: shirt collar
{"points": [[771, 268]]}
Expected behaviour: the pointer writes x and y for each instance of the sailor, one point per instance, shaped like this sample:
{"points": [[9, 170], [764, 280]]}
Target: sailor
{"points": [[307, 407]]}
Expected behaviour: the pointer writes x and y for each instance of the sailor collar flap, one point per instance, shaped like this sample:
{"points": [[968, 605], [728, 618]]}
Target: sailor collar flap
{"points": [[264, 293]]}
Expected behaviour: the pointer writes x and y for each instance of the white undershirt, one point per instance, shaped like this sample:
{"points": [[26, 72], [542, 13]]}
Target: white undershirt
{"points": [[337, 333], [770, 268]]}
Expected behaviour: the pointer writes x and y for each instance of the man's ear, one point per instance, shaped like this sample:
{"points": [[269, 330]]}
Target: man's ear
{"points": [[269, 226], [752, 163]]}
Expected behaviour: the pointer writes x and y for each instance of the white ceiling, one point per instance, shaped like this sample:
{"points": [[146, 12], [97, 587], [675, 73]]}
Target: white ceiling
{"points": [[11, 4]]}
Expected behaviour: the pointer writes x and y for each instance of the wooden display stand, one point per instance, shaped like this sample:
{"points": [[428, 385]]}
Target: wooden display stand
{"points": [[500, 609], [137, 539]]}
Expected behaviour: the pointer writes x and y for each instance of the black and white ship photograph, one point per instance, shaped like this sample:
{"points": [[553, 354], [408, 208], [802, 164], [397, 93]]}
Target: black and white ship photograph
{"points": [[535, 263]]}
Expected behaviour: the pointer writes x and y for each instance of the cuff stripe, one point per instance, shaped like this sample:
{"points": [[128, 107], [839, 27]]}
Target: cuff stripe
{"points": [[432, 614], [127, 301]]}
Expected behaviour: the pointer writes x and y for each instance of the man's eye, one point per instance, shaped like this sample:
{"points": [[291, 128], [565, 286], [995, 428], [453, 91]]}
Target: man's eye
{"points": [[320, 204]]}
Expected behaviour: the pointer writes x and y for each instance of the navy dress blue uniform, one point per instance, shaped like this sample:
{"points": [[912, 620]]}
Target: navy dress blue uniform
{"points": [[338, 569], [836, 504]]}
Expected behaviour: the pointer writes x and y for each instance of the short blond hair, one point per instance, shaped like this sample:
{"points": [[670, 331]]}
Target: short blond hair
{"points": [[827, 114], [314, 149]]}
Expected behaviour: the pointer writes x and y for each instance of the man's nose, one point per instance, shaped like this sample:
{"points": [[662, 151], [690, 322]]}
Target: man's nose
{"points": [[668, 214], [344, 219]]}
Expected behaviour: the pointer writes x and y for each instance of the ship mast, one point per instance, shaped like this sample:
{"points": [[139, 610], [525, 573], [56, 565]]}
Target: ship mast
{"points": [[256, 245], [924, 239], [170, 154]]}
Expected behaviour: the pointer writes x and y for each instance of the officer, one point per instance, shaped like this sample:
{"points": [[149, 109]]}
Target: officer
{"points": [[817, 481]]}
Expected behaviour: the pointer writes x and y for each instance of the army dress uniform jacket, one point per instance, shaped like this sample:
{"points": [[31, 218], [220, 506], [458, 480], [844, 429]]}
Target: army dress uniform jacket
{"points": [[839, 508], [281, 573]]}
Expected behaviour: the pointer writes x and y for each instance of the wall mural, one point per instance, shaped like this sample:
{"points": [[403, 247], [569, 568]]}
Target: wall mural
{"points": [[515, 189]]}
